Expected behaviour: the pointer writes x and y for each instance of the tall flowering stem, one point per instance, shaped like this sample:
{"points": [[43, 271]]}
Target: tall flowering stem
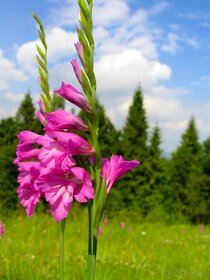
{"points": [[42, 64], [41, 57], [62, 228], [55, 165], [85, 49]]}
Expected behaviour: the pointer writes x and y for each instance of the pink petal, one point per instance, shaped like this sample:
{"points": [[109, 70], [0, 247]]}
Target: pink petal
{"points": [[74, 96], [77, 70], [61, 119], [115, 168]]}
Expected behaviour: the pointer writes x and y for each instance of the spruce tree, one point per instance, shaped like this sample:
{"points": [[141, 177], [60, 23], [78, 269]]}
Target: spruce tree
{"points": [[57, 102], [8, 172], [206, 156], [186, 172], [155, 173], [204, 209], [134, 135], [134, 146], [108, 135], [109, 144], [25, 115]]}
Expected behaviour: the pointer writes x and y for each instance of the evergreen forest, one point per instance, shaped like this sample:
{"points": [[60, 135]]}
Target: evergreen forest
{"points": [[166, 189]]}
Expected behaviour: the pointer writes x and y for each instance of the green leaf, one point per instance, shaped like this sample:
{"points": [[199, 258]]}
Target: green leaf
{"points": [[45, 88], [41, 53], [42, 64], [42, 38], [86, 87], [37, 19], [83, 40], [84, 8], [100, 204], [42, 74], [45, 101], [86, 26]]}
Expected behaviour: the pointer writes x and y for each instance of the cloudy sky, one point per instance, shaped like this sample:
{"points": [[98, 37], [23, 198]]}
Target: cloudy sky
{"points": [[164, 46]]}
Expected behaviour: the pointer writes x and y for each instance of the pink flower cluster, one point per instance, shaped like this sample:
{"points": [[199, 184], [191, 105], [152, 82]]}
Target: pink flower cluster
{"points": [[47, 163], [2, 229], [47, 166]]}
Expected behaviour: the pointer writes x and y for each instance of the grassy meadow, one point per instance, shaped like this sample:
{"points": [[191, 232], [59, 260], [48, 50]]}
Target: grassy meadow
{"points": [[128, 249]]}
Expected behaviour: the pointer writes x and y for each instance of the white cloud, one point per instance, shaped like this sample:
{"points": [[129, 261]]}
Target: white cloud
{"points": [[171, 45], [123, 71], [13, 97], [105, 13], [192, 42], [159, 8], [9, 72], [4, 113], [126, 55], [60, 44]]}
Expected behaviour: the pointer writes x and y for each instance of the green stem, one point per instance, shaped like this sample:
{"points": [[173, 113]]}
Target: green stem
{"points": [[92, 244], [61, 235]]}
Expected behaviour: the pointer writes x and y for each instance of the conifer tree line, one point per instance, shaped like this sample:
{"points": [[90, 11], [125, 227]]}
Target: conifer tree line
{"points": [[160, 189]]}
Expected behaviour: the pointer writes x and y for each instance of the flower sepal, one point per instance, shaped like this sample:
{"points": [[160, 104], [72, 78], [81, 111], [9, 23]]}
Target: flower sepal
{"points": [[100, 204]]}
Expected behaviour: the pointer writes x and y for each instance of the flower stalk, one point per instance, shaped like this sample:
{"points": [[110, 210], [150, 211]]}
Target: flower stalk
{"points": [[89, 86], [61, 259], [46, 100], [61, 165]]}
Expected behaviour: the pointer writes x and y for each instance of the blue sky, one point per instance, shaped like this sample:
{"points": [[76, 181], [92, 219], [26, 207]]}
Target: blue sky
{"points": [[162, 45]]}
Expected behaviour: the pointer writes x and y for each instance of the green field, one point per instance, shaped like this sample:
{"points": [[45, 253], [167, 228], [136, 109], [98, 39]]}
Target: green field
{"points": [[29, 249]]}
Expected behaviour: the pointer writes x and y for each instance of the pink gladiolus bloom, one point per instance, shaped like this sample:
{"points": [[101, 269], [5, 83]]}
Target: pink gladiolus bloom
{"points": [[61, 119], [44, 140], [29, 196], [100, 230], [28, 193], [74, 96], [122, 225], [29, 171], [115, 168], [41, 105], [202, 228], [40, 117], [77, 70], [27, 137], [25, 148], [26, 153], [106, 221], [61, 187], [55, 155], [2, 229], [76, 144], [79, 48]]}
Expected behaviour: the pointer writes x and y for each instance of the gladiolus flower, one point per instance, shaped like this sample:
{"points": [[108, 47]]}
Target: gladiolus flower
{"points": [[106, 221], [79, 49], [122, 225], [2, 229], [28, 193], [28, 172], [29, 197], [100, 230], [77, 70], [55, 155], [25, 148], [61, 119], [74, 96], [41, 105], [61, 187], [40, 117], [76, 144], [115, 168]]}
